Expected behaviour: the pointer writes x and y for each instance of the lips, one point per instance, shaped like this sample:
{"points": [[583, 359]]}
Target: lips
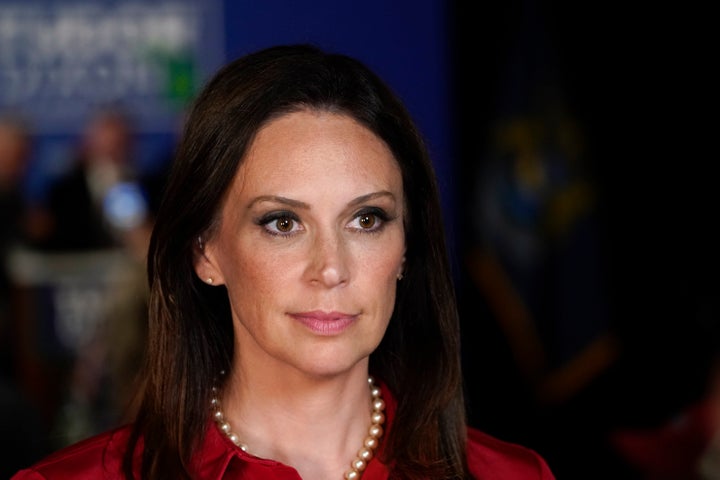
{"points": [[325, 323]]}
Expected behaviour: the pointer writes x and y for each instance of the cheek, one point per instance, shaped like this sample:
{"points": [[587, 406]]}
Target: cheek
{"points": [[253, 283], [380, 271], [252, 277], [249, 273]]}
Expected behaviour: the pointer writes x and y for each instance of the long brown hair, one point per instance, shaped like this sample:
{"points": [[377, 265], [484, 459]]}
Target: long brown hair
{"points": [[190, 330]]}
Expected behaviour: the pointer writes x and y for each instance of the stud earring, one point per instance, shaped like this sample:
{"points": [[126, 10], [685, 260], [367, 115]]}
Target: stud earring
{"points": [[399, 276], [209, 281]]}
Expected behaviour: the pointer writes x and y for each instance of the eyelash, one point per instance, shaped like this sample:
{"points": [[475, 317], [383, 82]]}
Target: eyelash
{"points": [[379, 214], [271, 217], [381, 218]]}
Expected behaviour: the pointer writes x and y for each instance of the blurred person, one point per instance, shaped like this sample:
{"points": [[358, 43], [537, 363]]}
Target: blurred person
{"points": [[15, 213], [685, 444], [103, 204], [102, 201], [14, 154], [302, 315], [19, 418], [15, 146], [684, 447]]}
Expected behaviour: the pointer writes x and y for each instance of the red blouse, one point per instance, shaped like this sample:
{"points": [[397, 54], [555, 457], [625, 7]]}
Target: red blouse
{"points": [[100, 457]]}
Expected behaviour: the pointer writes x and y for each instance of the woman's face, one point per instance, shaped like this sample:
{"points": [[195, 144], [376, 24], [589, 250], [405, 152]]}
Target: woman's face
{"points": [[310, 244]]}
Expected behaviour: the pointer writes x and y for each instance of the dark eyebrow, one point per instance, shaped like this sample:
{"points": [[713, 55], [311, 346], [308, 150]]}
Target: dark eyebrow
{"points": [[278, 199], [371, 196], [298, 204]]}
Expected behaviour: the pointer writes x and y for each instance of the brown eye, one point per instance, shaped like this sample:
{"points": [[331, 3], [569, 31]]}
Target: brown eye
{"points": [[367, 220], [284, 224]]}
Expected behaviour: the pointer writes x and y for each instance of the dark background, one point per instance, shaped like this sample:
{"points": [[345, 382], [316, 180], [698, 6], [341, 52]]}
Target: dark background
{"points": [[635, 79]]}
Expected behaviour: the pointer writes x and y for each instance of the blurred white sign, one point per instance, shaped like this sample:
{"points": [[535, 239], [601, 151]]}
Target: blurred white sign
{"points": [[59, 59]]}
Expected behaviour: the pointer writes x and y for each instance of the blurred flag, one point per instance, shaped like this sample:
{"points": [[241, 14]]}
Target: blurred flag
{"points": [[536, 254]]}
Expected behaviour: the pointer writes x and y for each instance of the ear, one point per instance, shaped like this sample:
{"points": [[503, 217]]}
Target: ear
{"points": [[205, 263]]}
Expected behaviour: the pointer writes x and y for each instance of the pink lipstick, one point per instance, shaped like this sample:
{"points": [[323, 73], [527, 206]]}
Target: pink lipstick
{"points": [[324, 323]]}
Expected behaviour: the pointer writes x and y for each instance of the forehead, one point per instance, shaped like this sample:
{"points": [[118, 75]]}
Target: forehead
{"points": [[307, 150]]}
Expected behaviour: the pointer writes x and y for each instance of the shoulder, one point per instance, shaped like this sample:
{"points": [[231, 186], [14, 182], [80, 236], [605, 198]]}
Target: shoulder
{"points": [[98, 457], [489, 457]]}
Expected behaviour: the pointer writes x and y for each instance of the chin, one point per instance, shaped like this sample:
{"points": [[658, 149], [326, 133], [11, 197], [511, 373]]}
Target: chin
{"points": [[333, 366]]}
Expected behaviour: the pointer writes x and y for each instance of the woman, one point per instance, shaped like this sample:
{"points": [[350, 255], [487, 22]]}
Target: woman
{"points": [[302, 317]]}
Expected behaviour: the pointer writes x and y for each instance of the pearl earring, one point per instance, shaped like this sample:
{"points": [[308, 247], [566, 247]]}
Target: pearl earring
{"points": [[209, 280], [399, 276]]}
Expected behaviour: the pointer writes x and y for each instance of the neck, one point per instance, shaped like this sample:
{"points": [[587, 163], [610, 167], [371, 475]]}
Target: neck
{"points": [[315, 425]]}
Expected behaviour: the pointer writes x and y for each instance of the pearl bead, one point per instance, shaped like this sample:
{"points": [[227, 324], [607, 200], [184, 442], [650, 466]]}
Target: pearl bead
{"points": [[364, 455], [359, 464], [352, 475], [371, 442]]}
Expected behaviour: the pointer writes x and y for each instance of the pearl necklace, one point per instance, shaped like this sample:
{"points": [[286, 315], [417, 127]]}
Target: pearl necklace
{"points": [[364, 455]]}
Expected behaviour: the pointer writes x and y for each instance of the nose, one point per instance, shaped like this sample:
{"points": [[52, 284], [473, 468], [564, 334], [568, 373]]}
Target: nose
{"points": [[328, 260]]}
